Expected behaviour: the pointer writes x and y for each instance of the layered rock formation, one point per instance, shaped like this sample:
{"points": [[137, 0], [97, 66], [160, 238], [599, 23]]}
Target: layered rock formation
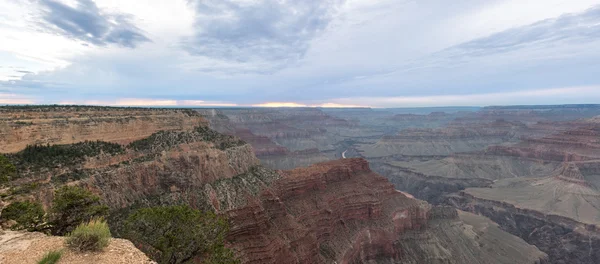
{"points": [[332, 212], [556, 210], [337, 212], [558, 216], [457, 137], [496, 150], [22, 126], [576, 144], [450, 234]]}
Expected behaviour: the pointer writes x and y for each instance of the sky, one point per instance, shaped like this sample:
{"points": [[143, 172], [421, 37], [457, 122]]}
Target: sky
{"points": [[318, 53]]}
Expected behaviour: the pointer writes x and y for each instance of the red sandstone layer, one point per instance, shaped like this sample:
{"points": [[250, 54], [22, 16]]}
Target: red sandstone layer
{"points": [[340, 207]]}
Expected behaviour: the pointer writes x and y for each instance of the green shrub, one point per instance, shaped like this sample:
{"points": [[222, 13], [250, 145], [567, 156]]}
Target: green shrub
{"points": [[7, 169], [28, 215], [51, 257], [166, 139], [73, 206], [180, 234], [36, 157], [91, 236], [24, 188]]}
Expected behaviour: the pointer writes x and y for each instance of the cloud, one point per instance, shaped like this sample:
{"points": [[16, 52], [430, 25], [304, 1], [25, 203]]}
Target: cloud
{"points": [[569, 27], [265, 34], [86, 22], [298, 53], [142, 102], [560, 51], [201, 103]]}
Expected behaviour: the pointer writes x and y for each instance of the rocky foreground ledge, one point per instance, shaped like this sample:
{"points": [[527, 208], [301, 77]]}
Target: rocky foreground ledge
{"points": [[25, 247]]}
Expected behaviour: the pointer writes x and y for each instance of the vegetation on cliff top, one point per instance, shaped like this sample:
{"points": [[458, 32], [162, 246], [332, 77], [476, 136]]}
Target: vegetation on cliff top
{"points": [[73, 206], [7, 170], [27, 215], [83, 108], [167, 139], [91, 236], [180, 234], [50, 156]]}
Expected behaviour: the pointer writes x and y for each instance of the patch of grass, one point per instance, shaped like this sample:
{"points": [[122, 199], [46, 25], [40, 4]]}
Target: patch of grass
{"points": [[92, 236], [51, 257]]}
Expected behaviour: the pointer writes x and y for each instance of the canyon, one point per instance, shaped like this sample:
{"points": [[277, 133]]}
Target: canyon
{"points": [[335, 210], [531, 169]]}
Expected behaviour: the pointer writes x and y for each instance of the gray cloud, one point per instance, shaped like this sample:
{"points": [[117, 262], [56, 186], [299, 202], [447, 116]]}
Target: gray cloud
{"points": [[557, 52], [273, 33], [582, 27], [88, 23]]}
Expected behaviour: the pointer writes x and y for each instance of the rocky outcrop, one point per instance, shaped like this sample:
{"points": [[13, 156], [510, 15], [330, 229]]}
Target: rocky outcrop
{"points": [[22, 126], [184, 168], [165, 162]]}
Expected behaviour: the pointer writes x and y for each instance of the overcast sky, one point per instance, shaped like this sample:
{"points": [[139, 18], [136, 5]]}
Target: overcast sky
{"points": [[378, 53]]}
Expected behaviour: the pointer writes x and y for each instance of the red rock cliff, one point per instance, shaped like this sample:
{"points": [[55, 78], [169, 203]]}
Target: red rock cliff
{"points": [[335, 211]]}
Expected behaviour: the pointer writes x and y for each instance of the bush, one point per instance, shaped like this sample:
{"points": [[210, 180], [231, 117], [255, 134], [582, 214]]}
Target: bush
{"points": [[180, 234], [24, 188], [28, 215], [91, 236], [51, 257], [73, 206], [36, 157], [7, 169]]}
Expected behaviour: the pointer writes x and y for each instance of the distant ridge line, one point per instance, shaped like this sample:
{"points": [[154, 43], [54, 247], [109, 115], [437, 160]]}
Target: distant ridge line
{"points": [[565, 106]]}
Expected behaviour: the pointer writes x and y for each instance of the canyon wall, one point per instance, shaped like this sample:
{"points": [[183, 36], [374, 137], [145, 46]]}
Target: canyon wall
{"points": [[22, 126]]}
